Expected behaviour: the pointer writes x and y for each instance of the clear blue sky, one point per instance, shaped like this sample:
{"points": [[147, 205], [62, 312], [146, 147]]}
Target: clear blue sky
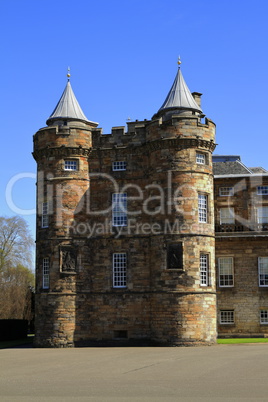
{"points": [[123, 59]]}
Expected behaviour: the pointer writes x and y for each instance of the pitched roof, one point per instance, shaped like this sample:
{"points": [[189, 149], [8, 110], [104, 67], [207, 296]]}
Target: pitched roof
{"points": [[226, 165], [258, 170], [226, 168], [179, 96], [67, 107]]}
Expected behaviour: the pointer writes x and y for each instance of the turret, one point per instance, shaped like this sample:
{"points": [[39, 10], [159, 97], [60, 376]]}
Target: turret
{"points": [[181, 148], [61, 151]]}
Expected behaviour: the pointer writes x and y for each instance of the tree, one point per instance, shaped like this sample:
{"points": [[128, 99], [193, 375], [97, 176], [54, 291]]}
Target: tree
{"points": [[16, 242], [16, 277], [16, 288]]}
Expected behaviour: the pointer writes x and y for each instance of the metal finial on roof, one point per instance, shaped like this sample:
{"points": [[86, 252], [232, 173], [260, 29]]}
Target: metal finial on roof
{"points": [[179, 61], [68, 74]]}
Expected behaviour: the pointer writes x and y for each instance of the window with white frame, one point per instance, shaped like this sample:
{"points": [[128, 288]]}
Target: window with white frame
{"points": [[204, 270], [70, 164], [119, 165], [227, 316], [45, 273], [202, 208], [44, 222], [119, 270], [262, 190], [264, 316], [200, 158], [262, 214], [263, 271], [227, 216], [226, 271], [119, 209], [226, 191]]}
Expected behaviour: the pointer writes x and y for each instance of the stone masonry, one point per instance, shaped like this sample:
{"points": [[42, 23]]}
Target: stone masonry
{"points": [[242, 240], [165, 243]]}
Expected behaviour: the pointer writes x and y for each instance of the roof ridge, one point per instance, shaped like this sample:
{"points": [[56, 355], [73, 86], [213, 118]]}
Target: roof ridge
{"points": [[244, 166]]}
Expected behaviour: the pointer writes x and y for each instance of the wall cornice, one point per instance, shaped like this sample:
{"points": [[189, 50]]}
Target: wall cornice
{"points": [[62, 152], [175, 143], [180, 143]]}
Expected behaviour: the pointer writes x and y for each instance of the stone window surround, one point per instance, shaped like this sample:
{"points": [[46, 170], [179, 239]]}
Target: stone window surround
{"points": [[227, 191], [119, 261], [262, 190], [227, 216], [119, 166], [230, 280], [119, 209], [264, 316], [203, 202], [227, 317], [204, 269], [263, 271], [45, 279], [44, 217], [73, 164], [201, 158], [262, 214]]}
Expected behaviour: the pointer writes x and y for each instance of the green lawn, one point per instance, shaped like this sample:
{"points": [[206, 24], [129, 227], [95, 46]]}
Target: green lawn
{"points": [[16, 342], [242, 340]]}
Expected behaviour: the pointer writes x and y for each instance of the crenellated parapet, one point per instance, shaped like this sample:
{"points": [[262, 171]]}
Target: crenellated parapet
{"points": [[181, 126]]}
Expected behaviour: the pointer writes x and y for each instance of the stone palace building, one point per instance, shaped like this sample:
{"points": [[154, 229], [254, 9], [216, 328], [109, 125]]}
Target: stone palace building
{"points": [[144, 237]]}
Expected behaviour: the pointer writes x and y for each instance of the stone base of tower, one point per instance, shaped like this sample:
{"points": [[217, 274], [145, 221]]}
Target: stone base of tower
{"points": [[184, 319], [160, 319], [55, 320]]}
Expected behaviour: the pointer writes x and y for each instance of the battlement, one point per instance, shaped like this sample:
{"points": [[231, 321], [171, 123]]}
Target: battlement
{"points": [[135, 135], [141, 131]]}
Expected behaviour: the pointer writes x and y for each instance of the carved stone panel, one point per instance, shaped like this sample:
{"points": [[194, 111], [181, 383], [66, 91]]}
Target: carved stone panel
{"points": [[68, 259], [175, 256]]}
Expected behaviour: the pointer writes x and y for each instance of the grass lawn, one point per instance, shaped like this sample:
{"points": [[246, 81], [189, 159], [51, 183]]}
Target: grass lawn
{"points": [[242, 340], [16, 342]]}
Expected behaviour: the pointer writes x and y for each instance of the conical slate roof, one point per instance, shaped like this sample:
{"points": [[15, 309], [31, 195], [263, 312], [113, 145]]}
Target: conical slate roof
{"points": [[67, 107], [179, 96]]}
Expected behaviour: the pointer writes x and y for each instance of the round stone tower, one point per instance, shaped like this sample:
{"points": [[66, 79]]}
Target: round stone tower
{"points": [[181, 144], [61, 151]]}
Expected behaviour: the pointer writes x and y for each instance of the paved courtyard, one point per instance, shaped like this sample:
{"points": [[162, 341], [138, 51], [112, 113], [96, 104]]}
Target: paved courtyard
{"points": [[217, 373]]}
